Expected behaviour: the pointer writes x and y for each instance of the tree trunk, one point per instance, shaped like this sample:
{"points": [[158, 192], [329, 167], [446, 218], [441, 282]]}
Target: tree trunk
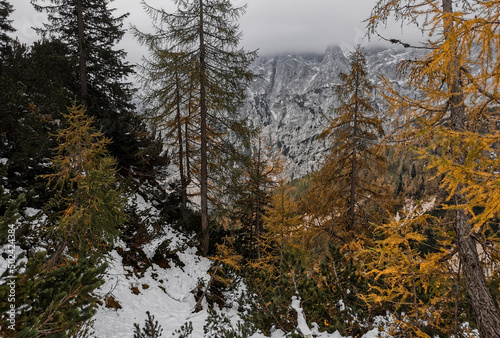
{"points": [[354, 169], [485, 309], [483, 304], [179, 140], [203, 127], [82, 52], [258, 173], [186, 138]]}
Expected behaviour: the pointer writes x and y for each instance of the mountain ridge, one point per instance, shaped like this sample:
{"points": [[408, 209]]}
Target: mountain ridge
{"points": [[294, 92]]}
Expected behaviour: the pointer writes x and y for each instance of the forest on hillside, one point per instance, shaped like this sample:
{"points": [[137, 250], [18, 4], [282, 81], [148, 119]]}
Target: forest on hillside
{"points": [[401, 220]]}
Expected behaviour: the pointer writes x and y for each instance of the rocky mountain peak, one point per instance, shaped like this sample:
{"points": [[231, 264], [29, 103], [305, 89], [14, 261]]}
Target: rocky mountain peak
{"points": [[290, 99]]}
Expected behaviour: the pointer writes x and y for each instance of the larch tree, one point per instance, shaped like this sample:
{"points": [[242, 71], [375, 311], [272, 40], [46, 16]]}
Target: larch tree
{"points": [[348, 178], [55, 289], [94, 209], [165, 77], [282, 224], [400, 273], [206, 33], [259, 179], [456, 113]]}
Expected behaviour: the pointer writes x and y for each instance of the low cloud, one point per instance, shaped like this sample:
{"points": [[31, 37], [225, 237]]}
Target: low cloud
{"points": [[271, 26]]}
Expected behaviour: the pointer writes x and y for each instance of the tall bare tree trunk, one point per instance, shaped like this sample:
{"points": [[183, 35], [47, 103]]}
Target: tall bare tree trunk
{"points": [[258, 173], [179, 139], [203, 127], [186, 138], [483, 304], [82, 52], [354, 169]]}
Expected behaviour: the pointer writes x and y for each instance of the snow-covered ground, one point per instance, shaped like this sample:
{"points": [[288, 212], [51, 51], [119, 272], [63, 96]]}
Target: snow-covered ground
{"points": [[167, 294]]}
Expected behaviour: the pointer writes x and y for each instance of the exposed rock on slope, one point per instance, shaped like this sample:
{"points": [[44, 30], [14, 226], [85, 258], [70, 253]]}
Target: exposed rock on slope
{"points": [[294, 93]]}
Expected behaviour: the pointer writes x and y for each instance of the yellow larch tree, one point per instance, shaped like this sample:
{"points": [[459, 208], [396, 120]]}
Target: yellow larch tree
{"points": [[342, 199], [400, 273], [283, 226], [93, 206], [455, 121]]}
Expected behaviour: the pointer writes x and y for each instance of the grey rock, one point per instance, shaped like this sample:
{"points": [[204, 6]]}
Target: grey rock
{"points": [[294, 93]]}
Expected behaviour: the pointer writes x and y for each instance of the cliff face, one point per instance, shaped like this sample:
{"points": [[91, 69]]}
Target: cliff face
{"points": [[294, 93]]}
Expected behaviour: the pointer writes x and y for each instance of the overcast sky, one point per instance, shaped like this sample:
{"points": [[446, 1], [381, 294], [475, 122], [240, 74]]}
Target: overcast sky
{"points": [[272, 26]]}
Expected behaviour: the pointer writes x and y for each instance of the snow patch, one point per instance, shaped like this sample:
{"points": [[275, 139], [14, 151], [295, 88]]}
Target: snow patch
{"points": [[301, 321], [31, 212]]}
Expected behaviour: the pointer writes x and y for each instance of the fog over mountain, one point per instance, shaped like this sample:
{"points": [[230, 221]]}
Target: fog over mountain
{"points": [[271, 27]]}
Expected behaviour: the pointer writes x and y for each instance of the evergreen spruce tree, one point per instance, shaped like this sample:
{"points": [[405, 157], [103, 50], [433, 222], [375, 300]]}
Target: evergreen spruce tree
{"points": [[456, 113], [5, 24], [91, 33], [342, 191], [151, 328], [206, 34], [34, 87]]}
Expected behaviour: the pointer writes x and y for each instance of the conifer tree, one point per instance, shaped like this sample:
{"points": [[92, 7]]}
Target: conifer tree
{"points": [[341, 189], [151, 328], [91, 33], [260, 175], [169, 100], [250, 190], [5, 24], [34, 87], [93, 208], [282, 226], [205, 32], [456, 113], [272, 274], [52, 302], [406, 280]]}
